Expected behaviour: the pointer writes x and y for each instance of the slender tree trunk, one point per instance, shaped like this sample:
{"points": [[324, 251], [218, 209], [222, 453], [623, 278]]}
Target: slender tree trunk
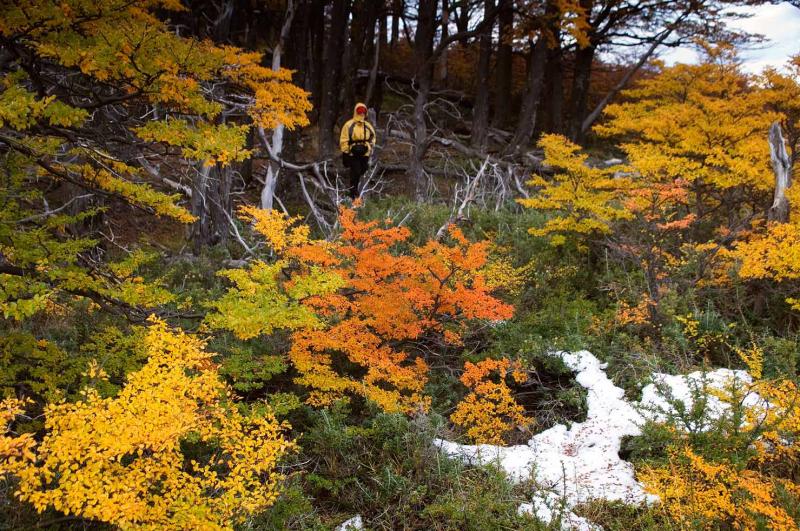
{"points": [[530, 101], [219, 201], [584, 57], [480, 114], [273, 170], [423, 52], [622, 83], [317, 37], [397, 11], [462, 20], [201, 231], [553, 116], [383, 35], [441, 70], [331, 80], [373, 71], [782, 166], [503, 67]]}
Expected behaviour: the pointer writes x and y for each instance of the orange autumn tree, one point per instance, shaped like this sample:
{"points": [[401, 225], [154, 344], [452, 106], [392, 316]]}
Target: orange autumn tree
{"points": [[489, 412], [373, 299], [122, 460]]}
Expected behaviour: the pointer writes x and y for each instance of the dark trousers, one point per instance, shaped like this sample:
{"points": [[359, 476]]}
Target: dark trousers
{"points": [[358, 167]]}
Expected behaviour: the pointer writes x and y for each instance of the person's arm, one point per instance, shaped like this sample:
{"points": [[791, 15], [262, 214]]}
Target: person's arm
{"points": [[344, 138]]}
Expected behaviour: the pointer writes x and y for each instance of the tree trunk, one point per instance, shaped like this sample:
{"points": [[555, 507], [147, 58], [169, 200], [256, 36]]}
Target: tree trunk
{"points": [[361, 44], [530, 101], [397, 11], [584, 57], [503, 67], [782, 166], [271, 178], [331, 77], [423, 53], [441, 70], [383, 36], [480, 113], [462, 20], [622, 83], [219, 201], [201, 231], [316, 47], [553, 115], [369, 99]]}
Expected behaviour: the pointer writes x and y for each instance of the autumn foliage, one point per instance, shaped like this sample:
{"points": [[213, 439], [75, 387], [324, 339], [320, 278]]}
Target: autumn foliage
{"points": [[122, 460], [489, 412], [364, 303], [715, 492]]}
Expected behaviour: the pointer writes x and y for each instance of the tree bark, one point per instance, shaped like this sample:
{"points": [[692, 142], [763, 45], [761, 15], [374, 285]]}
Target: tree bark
{"points": [[530, 100], [397, 11], [503, 66], [423, 53], [331, 77], [271, 178], [553, 117], [441, 70], [782, 167], [201, 230], [480, 113], [584, 57], [316, 47], [373, 72], [462, 20]]}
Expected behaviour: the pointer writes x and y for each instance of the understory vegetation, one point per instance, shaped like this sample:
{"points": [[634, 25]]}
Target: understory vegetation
{"points": [[186, 356]]}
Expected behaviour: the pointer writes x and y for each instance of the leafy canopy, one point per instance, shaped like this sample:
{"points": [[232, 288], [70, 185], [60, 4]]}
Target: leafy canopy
{"points": [[124, 460]]}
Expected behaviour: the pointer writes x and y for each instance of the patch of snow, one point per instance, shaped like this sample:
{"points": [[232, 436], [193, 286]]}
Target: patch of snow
{"points": [[354, 523], [667, 388], [547, 506], [582, 462]]}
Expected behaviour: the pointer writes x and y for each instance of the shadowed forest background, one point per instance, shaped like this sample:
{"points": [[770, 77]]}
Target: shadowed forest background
{"points": [[199, 329]]}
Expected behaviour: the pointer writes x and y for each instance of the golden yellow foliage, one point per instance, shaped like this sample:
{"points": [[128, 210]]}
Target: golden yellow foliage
{"points": [[489, 412], [120, 460], [585, 200], [703, 123], [696, 492]]}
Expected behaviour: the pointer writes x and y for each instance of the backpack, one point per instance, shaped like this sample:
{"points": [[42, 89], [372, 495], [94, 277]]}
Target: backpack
{"points": [[359, 148]]}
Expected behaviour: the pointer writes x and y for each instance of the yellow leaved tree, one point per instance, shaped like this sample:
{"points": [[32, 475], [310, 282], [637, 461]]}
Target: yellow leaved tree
{"points": [[128, 460], [583, 200], [94, 96], [489, 412]]}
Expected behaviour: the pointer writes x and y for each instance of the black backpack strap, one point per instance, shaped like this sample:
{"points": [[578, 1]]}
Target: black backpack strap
{"points": [[367, 128]]}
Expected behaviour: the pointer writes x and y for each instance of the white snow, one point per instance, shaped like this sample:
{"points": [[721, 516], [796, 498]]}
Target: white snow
{"points": [[581, 463], [354, 523], [547, 506]]}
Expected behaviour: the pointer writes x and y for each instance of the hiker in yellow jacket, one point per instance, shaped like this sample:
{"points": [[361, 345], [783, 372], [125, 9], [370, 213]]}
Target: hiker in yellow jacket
{"points": [[356, 141]]}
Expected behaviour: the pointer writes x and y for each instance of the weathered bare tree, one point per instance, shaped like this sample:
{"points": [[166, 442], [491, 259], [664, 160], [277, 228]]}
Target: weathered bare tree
{"points": [[782, 167]]}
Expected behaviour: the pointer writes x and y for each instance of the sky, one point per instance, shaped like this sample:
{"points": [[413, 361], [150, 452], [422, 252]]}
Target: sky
{"points": [[779, 23]]}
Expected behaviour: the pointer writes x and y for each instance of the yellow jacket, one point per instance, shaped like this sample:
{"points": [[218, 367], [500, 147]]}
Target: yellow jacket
{"points": [[357, 129]]}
